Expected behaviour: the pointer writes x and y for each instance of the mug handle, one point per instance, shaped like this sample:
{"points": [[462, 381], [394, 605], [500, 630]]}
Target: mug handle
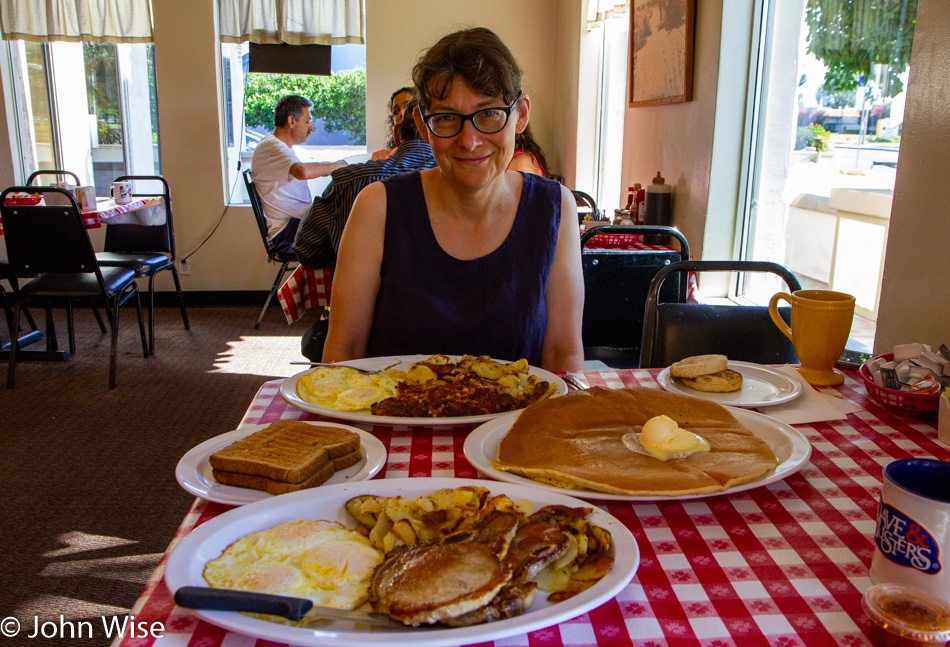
{"points": [[776, 319], [112, 192]]}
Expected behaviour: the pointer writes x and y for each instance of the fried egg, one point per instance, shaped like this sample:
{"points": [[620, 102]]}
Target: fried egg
{"points": [[344, 389], [319, 560]]}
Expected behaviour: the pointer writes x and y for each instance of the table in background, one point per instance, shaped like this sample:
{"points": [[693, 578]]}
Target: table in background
{"points": [[108, 210], [307, 287], [782, 564]]}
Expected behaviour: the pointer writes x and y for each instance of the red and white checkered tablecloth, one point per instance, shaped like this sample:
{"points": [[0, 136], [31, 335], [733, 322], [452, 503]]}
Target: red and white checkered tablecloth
{"points": [[304, 289], [107, 208], [784, 564]]}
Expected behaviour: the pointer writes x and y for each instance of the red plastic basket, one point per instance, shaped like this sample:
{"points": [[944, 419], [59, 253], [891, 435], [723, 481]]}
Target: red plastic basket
{"points": [[911, 404]]}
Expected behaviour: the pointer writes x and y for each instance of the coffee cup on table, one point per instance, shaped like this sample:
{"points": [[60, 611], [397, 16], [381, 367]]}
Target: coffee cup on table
{"points": [[86, 197], [821, 323], [121, 192], [912, 535]]}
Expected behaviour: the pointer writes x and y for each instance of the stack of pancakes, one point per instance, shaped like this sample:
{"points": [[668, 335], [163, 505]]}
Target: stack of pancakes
{"points": [[286, 456], [575, 441]]}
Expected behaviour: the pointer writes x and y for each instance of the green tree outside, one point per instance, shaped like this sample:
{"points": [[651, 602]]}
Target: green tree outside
{"points": [[339, 99]]}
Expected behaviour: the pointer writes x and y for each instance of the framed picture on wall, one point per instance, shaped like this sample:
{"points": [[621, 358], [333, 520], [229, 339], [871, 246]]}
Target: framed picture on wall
{"points": [[661, 51]]}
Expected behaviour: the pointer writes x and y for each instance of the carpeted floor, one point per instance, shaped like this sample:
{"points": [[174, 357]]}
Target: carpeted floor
{"points": [[89, 498]]}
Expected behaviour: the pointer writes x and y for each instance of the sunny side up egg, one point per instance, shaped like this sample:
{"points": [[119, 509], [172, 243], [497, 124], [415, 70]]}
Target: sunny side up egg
{"points": [[319, 560], [343, 389]]}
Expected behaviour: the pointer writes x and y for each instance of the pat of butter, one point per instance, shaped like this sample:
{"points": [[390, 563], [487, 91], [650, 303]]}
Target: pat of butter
{"points": [[663, 439]]}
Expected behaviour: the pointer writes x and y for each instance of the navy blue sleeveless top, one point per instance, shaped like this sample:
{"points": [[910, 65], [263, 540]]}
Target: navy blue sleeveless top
{"points": [[431, 302]]}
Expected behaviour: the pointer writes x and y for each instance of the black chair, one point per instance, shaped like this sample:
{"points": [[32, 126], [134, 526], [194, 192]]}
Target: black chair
{"points": [[54, 172], [672, 331], [146, 249], [616, 283], [272, 254], [586, 205], [51, 241]]}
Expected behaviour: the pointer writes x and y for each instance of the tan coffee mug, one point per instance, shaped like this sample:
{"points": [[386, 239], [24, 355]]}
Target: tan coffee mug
{"points": [[821, 323], [121, 192], [86, 197]]}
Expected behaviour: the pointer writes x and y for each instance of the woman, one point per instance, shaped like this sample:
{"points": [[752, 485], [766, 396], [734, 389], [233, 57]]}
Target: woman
{"points": [[528, 155], [397, 110], [466, 257]]}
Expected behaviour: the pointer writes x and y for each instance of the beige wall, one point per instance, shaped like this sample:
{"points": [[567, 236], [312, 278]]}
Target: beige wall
{"points": [[915, 295], [677, 139]]}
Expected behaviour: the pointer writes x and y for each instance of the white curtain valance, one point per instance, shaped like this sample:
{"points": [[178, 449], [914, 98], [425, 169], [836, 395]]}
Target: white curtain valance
{"points": [[600, 11], [294, 22], [99, 21]]}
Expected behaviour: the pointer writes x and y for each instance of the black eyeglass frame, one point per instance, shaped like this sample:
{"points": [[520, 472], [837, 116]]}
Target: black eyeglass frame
{"points": [[471, 117]]}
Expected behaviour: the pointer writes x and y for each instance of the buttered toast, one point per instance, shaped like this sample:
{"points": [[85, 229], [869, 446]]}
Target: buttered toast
{"points": [[288, 451]]}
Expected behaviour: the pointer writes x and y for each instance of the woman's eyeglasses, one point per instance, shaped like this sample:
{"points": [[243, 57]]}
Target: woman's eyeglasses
{"points": [[486, 120]]}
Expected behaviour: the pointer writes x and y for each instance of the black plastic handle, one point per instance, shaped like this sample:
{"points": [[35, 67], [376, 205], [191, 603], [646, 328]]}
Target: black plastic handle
{"points": [[199, 597]]}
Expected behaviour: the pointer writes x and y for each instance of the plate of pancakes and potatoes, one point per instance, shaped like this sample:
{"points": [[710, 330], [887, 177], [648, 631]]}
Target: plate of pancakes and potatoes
{"points": [[430, 390], [256, 462], [466, 561], [728, 382], [637, 444]]}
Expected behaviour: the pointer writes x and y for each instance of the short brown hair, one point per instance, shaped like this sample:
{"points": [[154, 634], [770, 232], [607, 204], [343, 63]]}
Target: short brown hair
{"points": [[478, 57]]}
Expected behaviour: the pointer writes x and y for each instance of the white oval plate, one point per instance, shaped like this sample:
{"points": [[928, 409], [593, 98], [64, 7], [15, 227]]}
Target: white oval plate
{"points": [[187, 561], [762, 386], [790, 446], [288, 390], [194, 471]]}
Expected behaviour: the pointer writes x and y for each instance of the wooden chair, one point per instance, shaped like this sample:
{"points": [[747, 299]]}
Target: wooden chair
{"points": [[51, 242], [674, 330], [284, 259]]}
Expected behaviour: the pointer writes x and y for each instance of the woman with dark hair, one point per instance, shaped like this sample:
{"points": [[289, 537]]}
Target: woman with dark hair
{"points": [[467, 257], [397, 110], [528, 155]]}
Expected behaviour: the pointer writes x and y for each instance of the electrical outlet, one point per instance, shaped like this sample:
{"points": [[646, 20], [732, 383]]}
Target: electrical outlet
{"points": [[184, 266]]}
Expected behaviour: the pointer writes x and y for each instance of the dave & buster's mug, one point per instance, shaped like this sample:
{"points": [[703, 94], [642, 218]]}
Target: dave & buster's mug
{"points": [[912, 536], [121, 192]]}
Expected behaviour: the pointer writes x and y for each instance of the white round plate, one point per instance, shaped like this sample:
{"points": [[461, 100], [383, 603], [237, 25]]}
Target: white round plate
{"points": [[762, 386], [195, 475], [288, 390], [791, 448], [187, 561]]}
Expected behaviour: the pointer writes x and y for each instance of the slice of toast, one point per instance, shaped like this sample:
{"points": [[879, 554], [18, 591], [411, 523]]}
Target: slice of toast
{"points": [[290, 451], [349, 460], [270, 485]]}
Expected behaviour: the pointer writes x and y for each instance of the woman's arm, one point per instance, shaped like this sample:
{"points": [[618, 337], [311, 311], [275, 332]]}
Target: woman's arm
{"points": [[356, 277], [524, 162], [563, 349]]}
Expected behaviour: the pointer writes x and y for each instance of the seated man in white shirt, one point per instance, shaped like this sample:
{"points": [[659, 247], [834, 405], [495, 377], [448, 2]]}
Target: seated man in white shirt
{"points": [[279, 175]]}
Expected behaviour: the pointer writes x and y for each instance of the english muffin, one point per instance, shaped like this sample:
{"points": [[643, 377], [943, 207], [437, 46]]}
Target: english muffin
{"points": [[697, 365], [720, 382]]}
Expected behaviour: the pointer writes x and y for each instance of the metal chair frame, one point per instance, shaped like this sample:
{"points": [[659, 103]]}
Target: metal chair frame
{"points": [[56, 172], [147, 249], [52, 242], [734, 321], [616, 285], [272, 254]]}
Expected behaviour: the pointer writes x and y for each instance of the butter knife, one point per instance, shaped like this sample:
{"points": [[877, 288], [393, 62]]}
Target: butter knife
{"points": [[211, 599], [575, 381]]}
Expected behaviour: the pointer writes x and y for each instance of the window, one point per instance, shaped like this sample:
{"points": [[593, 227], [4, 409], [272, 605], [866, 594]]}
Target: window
{"points": [[339, 110], [824, 144], [87, 108]]}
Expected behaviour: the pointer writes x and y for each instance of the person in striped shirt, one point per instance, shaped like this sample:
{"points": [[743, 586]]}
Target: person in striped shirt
{"points": [[318, 237]]}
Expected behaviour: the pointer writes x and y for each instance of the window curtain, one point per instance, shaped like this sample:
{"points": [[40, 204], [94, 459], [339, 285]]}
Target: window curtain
{"points": [[294, 22], [98, 21], [600, 11]]}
